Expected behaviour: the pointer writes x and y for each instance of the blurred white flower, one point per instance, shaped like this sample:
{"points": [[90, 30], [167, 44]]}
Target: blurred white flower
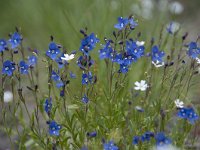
{"points": [[68, 57], [179, 104], [198, 60], [8, 96], [176, 7], [158, 64], [140, 43], [142, 85], [147, 8], [173, 27], [144, 9], [166, 147]]}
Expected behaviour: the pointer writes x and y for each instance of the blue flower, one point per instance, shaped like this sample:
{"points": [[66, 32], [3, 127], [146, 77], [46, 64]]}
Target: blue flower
{"points": [[59, 84], [193, 50], [3, 45], [55, 77], [133, 49], [92, 134], [132, 23], [72, 75], [88, 43], [53, 51], [32, 60], [118, 58], [110, 146], [8, 67], [62, 93], [188, 113], [123, 68], [23, 67], [15, 40], [87, 78], [136, 140], [54, 128], [48, 105], [85, 99], [147, 136], [106, 51], [156, 54], [122, 23], [162, 140]]}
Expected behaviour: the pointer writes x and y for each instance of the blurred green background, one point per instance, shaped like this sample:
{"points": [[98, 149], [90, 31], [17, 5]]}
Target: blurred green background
{"points": [[38, 19], [64, 18]]}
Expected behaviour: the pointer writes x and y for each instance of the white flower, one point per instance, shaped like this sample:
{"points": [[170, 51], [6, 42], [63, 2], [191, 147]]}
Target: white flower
{"points": [[140, 43], [173, 27], [176, 7], [179, 104], [198, 60], [68, 57], [141, 85], [158, 64], [8, 96]]}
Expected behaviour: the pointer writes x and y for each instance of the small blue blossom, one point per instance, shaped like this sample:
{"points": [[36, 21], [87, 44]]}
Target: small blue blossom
{"points": [[88, 43], [72, 75], [193, 50], [8, 67], [173, 27], [122, 23], [162, 140], [3, 45], [188, 113], [53, 51], [156, 54], [118, 59], [48, 106], [106, 51], [133, 49], [62, 93], [15, 40], [54, 128], [59, 84], [87, 78], [92, 134], [32, 60], [136, 140], [147, 136], [23, 67], [124, 68], [110, 146], [132, 23], [55, 77], [85, 99]]}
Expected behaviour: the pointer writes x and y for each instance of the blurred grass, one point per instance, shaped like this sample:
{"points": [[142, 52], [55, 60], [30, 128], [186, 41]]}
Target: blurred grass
{"points": [[63, 19]]}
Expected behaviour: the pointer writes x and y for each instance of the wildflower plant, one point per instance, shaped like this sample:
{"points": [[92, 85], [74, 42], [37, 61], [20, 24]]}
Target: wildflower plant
{"points": [[120, 92]]}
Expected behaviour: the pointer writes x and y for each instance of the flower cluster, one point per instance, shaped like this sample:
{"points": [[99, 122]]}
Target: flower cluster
{"points": [[145, 137], [54, 128], [188, 113], [110, 146], [125, 58]]}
